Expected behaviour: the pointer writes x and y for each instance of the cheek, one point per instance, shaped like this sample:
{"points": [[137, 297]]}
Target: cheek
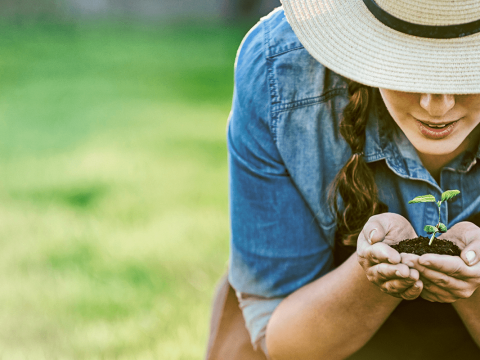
{"points": [[470, 104], [469, 101], [400, 104]]}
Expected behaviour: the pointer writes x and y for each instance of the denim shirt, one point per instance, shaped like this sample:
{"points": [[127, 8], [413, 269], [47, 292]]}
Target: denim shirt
{"points": [[284, 152]]}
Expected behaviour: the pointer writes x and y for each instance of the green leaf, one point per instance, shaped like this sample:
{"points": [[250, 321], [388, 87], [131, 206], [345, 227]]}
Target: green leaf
{"points": [[442, 227], [447, 195], [422, 199], [429, 229]]}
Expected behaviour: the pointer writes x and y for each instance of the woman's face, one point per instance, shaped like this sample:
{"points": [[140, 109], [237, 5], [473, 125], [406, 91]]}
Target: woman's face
{"points": [[435, 124]]}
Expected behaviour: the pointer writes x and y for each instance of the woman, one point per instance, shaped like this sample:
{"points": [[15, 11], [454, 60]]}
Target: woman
{"points": [[356, 106]]}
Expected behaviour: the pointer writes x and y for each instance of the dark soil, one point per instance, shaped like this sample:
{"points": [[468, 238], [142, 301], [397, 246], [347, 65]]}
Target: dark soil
{"points": [[420, 246]]}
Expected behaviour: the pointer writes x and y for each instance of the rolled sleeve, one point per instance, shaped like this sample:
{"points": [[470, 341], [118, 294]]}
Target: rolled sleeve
{"points": [[257, 312], [276, 244]]}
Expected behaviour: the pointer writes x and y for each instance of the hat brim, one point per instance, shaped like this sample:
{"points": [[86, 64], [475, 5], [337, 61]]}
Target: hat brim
{"points": [[345, 37]]}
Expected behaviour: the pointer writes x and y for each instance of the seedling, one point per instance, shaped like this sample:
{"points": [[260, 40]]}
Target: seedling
{"points": [[440, 227]]}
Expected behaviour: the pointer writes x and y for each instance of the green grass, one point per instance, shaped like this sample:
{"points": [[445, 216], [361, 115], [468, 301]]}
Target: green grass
{"points": [[113, 191]]}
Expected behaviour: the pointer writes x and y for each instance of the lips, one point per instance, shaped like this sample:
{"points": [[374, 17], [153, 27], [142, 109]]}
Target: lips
{"points": [[436, 131]]}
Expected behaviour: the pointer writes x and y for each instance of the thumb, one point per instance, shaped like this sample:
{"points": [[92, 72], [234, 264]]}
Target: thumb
{"points": [[373, 231], [471, 253]]}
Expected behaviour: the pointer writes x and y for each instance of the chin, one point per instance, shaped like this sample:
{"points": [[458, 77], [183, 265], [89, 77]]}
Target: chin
{"points": [[439, 152], [438, 149]]}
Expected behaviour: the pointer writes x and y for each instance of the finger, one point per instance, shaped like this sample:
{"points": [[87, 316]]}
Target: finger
{"points": [[381, 252], [380, 273], [429, 296], [397, 286], [403, 271], [441, 280], [411, 260], [413, 291], [432, 292], [447, 264], [414, 274], [461, 290], [390, 272]]}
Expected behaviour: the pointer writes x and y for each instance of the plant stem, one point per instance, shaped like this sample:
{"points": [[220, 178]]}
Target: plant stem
{"points": [[439, 205], [439, 214]]}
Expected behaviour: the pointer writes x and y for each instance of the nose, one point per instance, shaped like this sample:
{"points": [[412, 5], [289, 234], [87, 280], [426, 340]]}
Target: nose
{"points": [[437, 104]]}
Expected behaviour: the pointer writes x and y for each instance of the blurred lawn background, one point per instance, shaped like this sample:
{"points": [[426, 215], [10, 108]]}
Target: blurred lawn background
{"points": [[113, 194]]}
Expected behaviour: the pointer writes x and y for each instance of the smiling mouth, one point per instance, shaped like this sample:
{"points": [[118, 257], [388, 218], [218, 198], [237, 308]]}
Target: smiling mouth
{"points": [[436, 131]]}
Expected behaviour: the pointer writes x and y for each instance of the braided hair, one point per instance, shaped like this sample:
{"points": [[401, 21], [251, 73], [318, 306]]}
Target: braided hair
{"points": [[355, 182]]}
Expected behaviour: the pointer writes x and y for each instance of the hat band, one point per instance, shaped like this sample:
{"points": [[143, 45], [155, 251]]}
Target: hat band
{"points": [[424, 31]]}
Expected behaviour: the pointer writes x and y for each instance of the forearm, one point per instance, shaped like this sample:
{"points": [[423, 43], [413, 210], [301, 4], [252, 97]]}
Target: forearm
{"points": [[330, 318], [469, 312]]}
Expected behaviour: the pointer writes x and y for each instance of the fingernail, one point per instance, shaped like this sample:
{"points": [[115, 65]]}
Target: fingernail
{"points": [[399, 274], [470, 256], [370, 236]]}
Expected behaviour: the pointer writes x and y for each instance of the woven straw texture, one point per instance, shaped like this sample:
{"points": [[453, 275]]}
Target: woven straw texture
{"points": [[344, 36]]}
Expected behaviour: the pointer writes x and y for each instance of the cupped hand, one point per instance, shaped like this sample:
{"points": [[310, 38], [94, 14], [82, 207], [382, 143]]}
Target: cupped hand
{"points": [[381, 263], [449, 278]]}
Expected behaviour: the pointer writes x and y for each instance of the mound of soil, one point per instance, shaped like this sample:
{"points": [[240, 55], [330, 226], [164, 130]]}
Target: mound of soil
{"points": [[420, 246]]}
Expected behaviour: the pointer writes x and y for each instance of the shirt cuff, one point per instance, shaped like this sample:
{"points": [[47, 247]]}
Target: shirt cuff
{"points": [[257, 311]]}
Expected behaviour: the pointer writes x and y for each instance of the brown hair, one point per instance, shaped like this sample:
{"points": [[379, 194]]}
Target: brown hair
{"points": [[355, 182]]}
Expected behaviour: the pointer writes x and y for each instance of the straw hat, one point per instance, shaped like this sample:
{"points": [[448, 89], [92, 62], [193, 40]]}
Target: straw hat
{"points": [[427, 46]]}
